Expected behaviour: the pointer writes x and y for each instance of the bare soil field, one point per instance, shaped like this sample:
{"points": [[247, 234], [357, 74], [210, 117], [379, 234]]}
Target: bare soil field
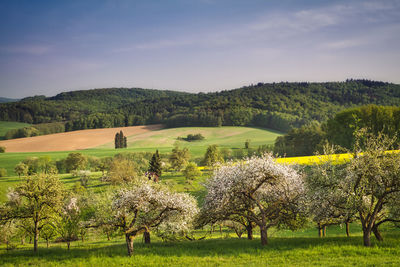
{"points": [[75, 140]]}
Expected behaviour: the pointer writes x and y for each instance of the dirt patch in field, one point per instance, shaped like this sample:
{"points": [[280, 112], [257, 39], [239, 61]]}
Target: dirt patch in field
{"points": [[75, 140]]}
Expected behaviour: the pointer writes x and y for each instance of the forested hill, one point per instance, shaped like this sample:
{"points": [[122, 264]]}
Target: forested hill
{"points": [[278, 106]]}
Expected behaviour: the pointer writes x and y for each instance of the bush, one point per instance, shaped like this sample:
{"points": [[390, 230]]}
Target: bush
{"points": [[2, 149], [3, 172], [192, 137]]}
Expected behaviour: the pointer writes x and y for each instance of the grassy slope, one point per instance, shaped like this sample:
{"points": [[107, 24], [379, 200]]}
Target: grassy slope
{"points": [[5, 126], [228, 136], [163, 140]]}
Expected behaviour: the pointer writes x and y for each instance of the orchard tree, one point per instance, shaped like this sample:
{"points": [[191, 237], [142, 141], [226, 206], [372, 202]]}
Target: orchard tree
{"points": [[68, 223], [36, 199], [122, 171], [373, 181], [21, 169], [148, 206], [75, 161], [191, 171], [259, 189], [179, 157], [327, 202]]}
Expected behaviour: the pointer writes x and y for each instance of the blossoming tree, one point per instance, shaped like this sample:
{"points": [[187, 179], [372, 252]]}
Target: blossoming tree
{"points": [[372, 182], [147, 206], [259, 189]]}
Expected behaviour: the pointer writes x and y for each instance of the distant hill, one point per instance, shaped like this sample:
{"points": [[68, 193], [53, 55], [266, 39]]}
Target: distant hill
{"points": [[279, 106], [6, 100]]}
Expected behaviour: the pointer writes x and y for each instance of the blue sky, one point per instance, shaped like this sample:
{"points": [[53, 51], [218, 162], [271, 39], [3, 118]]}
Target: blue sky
{"points": [[47, 47]]}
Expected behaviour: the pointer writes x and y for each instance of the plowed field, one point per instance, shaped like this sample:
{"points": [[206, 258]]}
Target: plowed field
{"points": [[75, 140]]}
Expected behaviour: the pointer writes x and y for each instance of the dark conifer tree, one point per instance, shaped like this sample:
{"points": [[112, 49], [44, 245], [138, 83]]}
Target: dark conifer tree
{"points": [[155, 164], [116, 140]]}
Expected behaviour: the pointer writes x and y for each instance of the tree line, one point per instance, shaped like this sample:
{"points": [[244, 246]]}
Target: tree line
{"points": [[339, 130], [280, 106]]}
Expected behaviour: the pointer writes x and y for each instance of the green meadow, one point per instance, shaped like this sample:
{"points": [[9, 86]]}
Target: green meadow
{"points": [[5, 126], [285, 248]]}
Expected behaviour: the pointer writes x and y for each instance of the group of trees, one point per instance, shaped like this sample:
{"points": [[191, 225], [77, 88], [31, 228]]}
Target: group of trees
{"points": [[120, 140], [42, 206], [261, 192], [339, 130], [279, 106]]}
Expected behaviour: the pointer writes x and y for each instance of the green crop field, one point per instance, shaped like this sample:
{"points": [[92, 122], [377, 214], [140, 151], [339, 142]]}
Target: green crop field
{"points": [[5, 126]]}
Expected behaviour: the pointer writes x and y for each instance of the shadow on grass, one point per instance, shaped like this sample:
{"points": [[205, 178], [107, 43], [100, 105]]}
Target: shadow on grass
{"points": [[229, 247]]}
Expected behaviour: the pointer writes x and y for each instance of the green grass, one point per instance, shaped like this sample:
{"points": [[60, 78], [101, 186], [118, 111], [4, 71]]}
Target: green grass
{"points": [[5, 126], [299, 249], [228, 136]]}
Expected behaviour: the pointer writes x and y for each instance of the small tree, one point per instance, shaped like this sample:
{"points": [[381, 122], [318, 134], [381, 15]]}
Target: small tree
{"points": [[247, 144], [36, 199], [155, 164], [3, 172], [75, 161], [68, 224], [47, 233], [21, 169], [212, 156], [122, 171], [191, 171], [179, 157]]}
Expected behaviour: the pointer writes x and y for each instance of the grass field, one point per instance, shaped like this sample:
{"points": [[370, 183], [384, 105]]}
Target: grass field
{"points": [[163, 140], [285, 248], [5, 126]]}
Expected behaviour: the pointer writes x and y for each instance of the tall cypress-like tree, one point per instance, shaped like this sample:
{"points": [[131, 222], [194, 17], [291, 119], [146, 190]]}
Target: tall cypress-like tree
{"points": [[116, 140], [120, 140], [155, 164]]}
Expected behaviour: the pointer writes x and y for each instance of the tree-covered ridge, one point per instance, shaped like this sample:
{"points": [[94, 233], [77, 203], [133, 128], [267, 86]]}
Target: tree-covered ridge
{"points": [[279, 106]]}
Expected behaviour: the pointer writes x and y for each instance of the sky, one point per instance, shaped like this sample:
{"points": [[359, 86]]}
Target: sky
{"points": [[47, 47]]}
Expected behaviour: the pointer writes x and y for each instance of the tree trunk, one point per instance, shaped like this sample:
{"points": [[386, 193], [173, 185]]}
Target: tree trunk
{"points": [[324, 230], [249, 229], [129, 244], [68, 244], [264, 235], [36, 236], [347, 229], [367, 237], [47, 243], [146, 236], [23, 240], [377, 234], [319, 230]]}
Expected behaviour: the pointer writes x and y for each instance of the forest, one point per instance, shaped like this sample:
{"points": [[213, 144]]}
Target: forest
{"points": [[279, 106]]}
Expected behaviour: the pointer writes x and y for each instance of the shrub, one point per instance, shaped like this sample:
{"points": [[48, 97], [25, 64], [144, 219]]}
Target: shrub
{"points": [[2, 149], [3, 172]]}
